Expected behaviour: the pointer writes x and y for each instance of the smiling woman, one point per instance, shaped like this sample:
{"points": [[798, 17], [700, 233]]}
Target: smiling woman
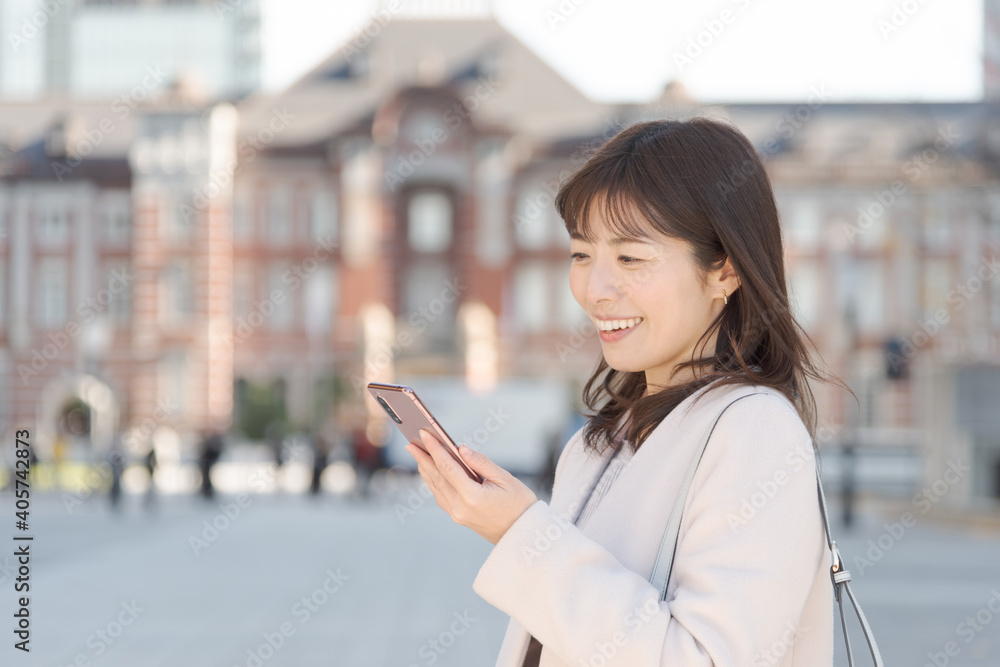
{"points": [[675, 223], [700, 407]]}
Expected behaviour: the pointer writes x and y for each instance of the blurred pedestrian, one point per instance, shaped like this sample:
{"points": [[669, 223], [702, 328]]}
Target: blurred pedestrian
{"points": [[117, 462], [274, 436], [149, 461], [210, 452], [321, 450], [368, 458]]}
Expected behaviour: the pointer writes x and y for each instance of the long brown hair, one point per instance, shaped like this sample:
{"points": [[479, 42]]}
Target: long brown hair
{"points": [[701, 181]]}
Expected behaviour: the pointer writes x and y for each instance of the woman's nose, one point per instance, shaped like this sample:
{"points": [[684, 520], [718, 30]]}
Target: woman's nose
{"points": [[602, 283]]}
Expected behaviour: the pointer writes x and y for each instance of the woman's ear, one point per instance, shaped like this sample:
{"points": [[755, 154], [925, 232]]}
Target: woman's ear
{"points": [[727, 279]]}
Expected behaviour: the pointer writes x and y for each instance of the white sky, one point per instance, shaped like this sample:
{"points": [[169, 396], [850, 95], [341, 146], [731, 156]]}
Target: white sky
{"points": [[624, 50]]}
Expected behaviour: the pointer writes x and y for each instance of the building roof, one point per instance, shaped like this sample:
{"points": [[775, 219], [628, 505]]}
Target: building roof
{"points": [[509, 85]]}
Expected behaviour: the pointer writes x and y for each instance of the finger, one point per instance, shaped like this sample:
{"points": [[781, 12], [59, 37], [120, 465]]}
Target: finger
{"points": [[448, 467], [481, 463], [441, 463], [435, 454]]}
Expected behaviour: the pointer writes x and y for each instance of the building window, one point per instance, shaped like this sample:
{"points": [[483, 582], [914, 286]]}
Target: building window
{"points": [[937, 233], [3, 292], [994, 306], [176, 294], [319, 294], [279, 227], [54, 227], [280, 299], [51, 293], [177, 217], [424, 124], [4, 218], [571, 314], [429, 221], [430, 301], [869, 295], [118, 282], [803, 224], [536, 220], [117, 223], [323, 216], [171, 379], [937, 282], [804, 293], [242, 219], [531, 296], [243, 289]]}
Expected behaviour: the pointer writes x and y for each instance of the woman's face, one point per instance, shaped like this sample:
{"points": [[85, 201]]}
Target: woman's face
{"points": [[646, 300]]}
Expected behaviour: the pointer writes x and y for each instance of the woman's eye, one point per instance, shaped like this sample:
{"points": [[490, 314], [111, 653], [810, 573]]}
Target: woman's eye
{"points": [[629, 260], [576, 255]]}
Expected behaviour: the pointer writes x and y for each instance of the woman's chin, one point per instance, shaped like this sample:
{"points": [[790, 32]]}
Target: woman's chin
{"points": [[623, 365]]}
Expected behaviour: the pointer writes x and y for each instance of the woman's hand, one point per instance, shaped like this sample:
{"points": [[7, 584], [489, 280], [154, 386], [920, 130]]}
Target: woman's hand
{"points": [[488, 508]]}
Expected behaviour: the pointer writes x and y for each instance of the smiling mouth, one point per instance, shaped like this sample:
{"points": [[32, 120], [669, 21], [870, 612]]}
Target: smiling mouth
{"points": [[617, 325]]}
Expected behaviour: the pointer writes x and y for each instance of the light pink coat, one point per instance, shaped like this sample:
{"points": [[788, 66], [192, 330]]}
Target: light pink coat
{"points": [[751, 576]]}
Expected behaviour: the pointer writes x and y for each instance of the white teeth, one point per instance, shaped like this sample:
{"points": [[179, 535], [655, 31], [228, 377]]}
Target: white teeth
{"points": [[611, 325]]}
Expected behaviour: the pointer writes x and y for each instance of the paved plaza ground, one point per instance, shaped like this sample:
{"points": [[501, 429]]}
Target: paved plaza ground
{"points": [[354, 584]]}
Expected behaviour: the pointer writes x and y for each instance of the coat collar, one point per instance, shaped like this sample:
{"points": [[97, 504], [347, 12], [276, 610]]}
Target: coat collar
{"points": [[584, 468]]}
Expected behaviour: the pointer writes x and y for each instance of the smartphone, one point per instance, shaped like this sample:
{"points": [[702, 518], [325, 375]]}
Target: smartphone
{"points": [[410, 415]]}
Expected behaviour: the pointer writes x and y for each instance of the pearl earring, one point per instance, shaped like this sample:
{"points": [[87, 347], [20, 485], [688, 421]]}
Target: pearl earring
{"points": [[725, 299]]}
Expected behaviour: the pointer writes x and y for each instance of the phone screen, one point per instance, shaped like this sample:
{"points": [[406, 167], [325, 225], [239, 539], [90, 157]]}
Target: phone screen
{"points": [[409, 414]]}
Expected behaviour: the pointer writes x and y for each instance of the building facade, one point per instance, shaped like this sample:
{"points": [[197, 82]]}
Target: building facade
{"points": [[390, 215]]}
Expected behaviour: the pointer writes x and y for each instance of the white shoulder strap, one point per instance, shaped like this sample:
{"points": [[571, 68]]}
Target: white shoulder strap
{"points": [[838, 574]]}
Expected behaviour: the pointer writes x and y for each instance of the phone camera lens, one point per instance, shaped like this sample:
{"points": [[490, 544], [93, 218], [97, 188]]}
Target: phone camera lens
{"points": [[386, 407]]}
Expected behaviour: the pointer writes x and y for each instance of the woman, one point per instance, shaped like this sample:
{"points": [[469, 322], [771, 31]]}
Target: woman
{"points": [[676, 256]]}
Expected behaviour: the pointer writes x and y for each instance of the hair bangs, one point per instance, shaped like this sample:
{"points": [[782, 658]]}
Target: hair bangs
{"points": [[617, 192]]}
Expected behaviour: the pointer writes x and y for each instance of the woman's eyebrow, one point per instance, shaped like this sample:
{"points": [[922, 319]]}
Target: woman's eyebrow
{"points": [[623, 240], [615, 240]]}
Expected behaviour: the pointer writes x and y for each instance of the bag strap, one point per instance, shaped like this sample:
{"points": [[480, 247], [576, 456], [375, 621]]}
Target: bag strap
{"points": [[839, 575], [668, 545]]}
